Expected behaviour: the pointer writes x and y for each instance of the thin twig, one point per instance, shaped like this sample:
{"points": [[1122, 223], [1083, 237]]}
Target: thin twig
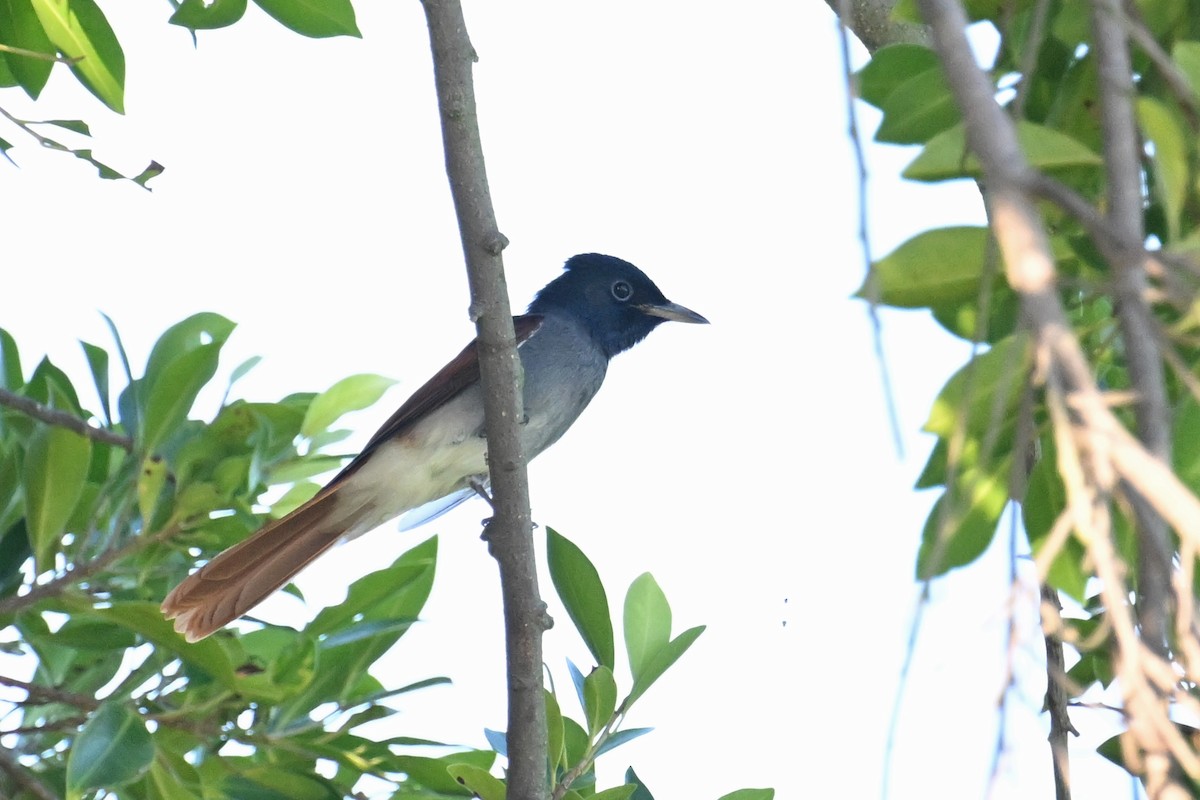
{"points": [[53, 57], [910, 652], [50, 694], [1056, 696], [61, 419], [1136, 29], [14, 603], [864, 239]]}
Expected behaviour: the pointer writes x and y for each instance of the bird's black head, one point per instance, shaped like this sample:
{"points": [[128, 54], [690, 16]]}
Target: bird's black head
{"points": [[613, 299]]}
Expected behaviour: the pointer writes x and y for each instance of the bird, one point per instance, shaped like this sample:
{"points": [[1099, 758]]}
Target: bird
{"points": [[431, 453]]}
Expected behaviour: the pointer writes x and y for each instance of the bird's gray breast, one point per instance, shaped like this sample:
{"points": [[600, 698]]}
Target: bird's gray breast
{"points": [[563, 370]]}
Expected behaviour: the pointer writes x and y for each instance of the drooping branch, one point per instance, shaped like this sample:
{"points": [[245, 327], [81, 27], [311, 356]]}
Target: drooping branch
{"points": [[61, 419], [1122, 151], [509, 533], [1107, 451], [873, 24]]}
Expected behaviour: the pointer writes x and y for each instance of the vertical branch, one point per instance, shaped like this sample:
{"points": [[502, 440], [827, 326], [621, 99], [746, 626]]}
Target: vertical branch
{"points": [[509, 533], [1124, 194], [1124, 217]]}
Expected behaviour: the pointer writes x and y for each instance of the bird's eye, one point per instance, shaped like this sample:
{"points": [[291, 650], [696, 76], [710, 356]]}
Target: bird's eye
{"points": [[622, 291]]}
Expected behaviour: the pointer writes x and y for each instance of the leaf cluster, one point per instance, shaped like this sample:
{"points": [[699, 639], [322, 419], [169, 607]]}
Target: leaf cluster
{"points": [[994, 445]]}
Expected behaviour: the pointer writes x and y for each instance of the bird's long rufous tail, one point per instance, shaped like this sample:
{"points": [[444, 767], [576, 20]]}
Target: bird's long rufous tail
{"points": [[242, 576]]}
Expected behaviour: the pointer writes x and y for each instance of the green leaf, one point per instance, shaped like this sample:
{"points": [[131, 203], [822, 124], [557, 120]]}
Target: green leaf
{"points": [[55, 471], [349, 394], [80, 31], [180, 339], [112, 749], [1186, 56], [578, 586], [314, 18], [891, 66], [202, 15], [75, 125], [962, 522], [934, 268], [14, 551], [666, 656], [11, 377], [642, 793], [433, 773], [144, 618], [600, 698], [175, 392], [749, 794], [97, 359], [20, 28], [944, 157], [621, 737], [623, 792], [482, 783], [1045, 499], [1170, 158], [647, 623], [991, 378], [918, 109], [555, 750], [152, 170]]}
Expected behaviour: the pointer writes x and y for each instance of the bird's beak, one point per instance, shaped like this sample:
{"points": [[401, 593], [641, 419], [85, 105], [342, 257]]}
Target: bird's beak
{"points": [[672, 311]]}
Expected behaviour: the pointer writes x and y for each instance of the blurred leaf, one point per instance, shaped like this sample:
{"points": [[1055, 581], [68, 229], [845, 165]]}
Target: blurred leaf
{"points": [[152, 170], [97, 359], [1186, 56], [749, 794], [497, 741], [579, 587], [891, 66], [20, 28], [112, 749], [917, 110], [1170, 158], [14, 551], [962, 522], [623, 792], [933, 268], [600, 693], [349, 394], [1045, 499], [945, 158], [647, 623], [991, 378], [183, 337], [432, 773], [555, 750], [314, 18], [661, 662], [80, 31], [55, 471], [144, 618], [208, 14], [11, 377], [482, 783], [152, 479]]}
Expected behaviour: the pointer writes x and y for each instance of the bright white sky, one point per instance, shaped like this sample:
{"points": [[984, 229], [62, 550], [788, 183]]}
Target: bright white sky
{"points": [[748, 465]]}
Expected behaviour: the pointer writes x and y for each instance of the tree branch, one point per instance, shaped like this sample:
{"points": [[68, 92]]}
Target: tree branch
{"points": [[23, 776], [1122, 151], [49, 694], [510, 532], [10, 605], [52, 416], [873, 25]]}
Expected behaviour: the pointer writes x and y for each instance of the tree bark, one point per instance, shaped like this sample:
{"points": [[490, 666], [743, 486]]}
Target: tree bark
{"points": [[509, 532]]}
